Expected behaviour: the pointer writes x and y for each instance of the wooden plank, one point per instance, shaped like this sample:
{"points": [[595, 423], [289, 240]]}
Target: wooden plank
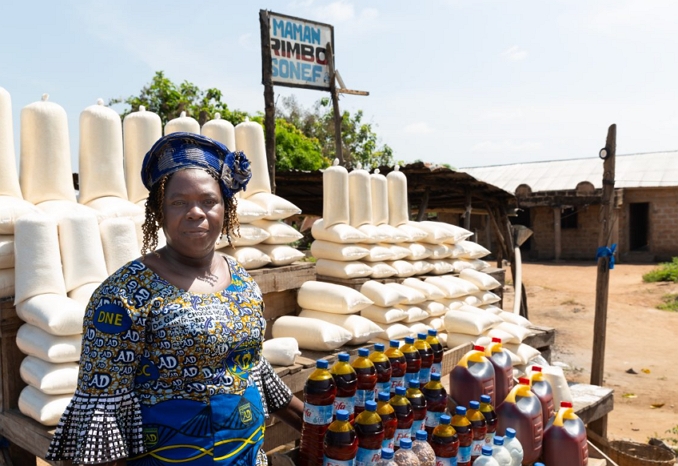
{"points": [[452, 356], [283, 278], [592, 403], [10, 356], [543, 339], [27, 434], [279, 433]]}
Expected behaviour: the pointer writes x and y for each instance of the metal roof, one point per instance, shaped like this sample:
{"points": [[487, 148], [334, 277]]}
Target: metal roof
{"points": [[650, 170]]}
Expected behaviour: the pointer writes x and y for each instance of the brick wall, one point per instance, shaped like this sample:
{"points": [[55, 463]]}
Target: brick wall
{"points": [[575, 243]]}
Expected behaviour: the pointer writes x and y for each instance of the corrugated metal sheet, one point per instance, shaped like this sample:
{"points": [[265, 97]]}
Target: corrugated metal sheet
{"points": [[652, 170]]}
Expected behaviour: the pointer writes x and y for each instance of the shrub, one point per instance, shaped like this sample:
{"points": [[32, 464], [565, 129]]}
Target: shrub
{"points": [[666, 272]]}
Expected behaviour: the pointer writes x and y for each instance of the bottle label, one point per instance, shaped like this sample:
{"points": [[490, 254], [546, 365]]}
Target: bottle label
{"points": [[330, 462], [425, 375], [417, 425], [477, 447], [432, 418], [397, 382], [401, 433], [446, 461], [367, 457], [464, 454], [361, 396], [382, 387], [318, 415], [388, 443], [411, 376], [489, 438], [437, 367], [344, 402]]}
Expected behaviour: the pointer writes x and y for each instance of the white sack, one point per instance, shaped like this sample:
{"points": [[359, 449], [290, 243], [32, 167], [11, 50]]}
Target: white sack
{"points": [[467, 322], [515, 319], [419, 327], [392, 234], [417, 251], [249, 138], [182, 124], [278, 232], [472, 250], [395, 332], [440, 266], [276, 207], [379, 188], [33, 341], [249, 236], [439, 251], [487, 297], [45, 409], [111, 207], [339, 252], [281, 351], [249, 257], [38, 263], [451, 289], [338, 233], [384, 315], [434, 308], [311, 334], [335, 195], [412, 296], [7, 287], [83, 294], [280, 254], [140, 130], [378, 253], [398, 252], [337, 269], [359, 197], [382, 270], [9, 179], [55, 314], [329, 297], [431, 291], [7, 251], [436, 233], [414, 233], [249, 211], [373, 234], [403, 268], [381, 294], [362, 329], [398, 212], [516, 330], [119, 242], [49, 378], [12, 208], [522, 351], [82, 254], [414, 313], [468, 286], [480, 279], [220, 130], [422, 267]]}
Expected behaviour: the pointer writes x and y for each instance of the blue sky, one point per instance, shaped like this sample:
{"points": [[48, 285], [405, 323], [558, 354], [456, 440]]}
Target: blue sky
{"points": [[463, 82]]}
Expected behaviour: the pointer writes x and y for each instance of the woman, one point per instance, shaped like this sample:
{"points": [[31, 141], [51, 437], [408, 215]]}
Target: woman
{"points": [[171, 370]]}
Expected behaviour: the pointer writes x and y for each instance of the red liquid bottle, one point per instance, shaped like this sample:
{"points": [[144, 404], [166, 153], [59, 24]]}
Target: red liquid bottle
{"points": [[426, 354], [398, 365], [404, 415], [319, 393], [370, 432], [462, 426], [413, 360], [565, 440], [436, 403], [521, 410], [471, 377], [388, 418], [542, 388], [383, 367], [445, 442], [503, 370], [367, 379], [478, 429], [438, 350], [341, 443], [418, 402], [347, 383], [490, 418]]}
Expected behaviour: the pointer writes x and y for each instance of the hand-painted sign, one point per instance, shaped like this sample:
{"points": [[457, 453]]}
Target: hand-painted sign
{"points": [[297, 50]]}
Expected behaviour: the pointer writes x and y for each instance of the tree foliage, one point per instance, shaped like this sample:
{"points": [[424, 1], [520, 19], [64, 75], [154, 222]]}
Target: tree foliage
{"points": [[304, 138]]}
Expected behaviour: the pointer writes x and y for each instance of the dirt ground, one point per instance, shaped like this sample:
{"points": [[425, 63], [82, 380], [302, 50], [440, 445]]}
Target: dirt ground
{"points": [[639, 337]]}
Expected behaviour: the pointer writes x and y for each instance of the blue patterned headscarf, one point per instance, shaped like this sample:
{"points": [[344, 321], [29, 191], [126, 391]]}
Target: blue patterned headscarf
{"points": [[178, 151]]}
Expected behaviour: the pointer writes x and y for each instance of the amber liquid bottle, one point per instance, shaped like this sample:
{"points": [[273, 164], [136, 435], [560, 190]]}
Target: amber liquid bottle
{"points": [[383, 367], [445, 442], [426, 354], [341, 442], [478, 429], [436, 403], [347, 383], [388, 418], [438, 350], [319, 393], [418, 402], [369, 429], [413, 360], [367, 379], [404, 415], [398, 365]]}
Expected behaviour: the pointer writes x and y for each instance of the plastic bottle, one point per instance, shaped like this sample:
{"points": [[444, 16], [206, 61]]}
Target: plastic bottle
{"points": [[370, 432], [490, 418], [398, 365], [565, 440], [319, 393], [512, 444], [367, 379], [503, 370], [418, 402], [341, 443], [462, 427], [438, 350], [486, 458], [387, 457], [383, 367], [413, 360], [478, 429], [542, 388], [426, 354], [445, 442], [404, 415], [471, 377], [405, 456], [436, 402], [424, 451], [347, 384], [522, 411], [388, 418], [499, 451]]}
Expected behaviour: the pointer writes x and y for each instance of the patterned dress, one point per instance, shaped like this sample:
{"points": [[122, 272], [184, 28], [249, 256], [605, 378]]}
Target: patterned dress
{"points": [[170, 377]]}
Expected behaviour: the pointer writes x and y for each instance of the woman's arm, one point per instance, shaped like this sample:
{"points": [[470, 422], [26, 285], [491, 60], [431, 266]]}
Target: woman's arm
{"points": [[292, 414]]}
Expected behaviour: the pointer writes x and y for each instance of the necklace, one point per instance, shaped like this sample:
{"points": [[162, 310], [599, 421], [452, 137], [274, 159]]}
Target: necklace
{"points": [[189, 271]]}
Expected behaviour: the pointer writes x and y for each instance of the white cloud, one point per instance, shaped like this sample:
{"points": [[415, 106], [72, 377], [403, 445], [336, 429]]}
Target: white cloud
{"points": [[245, 41], [514, 53], [336, 12], [501, 114], [369, 14], [507, 146], [420, 127]]}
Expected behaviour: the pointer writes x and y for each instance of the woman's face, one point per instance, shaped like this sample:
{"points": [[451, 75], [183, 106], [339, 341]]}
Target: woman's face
{"points": [[193, 211]]}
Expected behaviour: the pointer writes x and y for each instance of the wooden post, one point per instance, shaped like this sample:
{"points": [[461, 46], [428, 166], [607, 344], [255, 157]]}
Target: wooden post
{"points": [[339, 153], [467, 214], [421, 215], [269, 99], [603, 277], [557, 246]]}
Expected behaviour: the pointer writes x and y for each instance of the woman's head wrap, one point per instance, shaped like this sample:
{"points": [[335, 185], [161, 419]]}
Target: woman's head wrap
{"points": [[178, 151]]}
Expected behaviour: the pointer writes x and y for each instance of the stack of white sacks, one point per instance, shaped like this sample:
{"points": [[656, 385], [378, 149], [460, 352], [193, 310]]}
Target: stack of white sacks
{"points": [[57, 246], [461, 308], [366, 232]]}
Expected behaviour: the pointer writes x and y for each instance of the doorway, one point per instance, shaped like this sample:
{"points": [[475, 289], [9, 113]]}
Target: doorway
{"points": [[639, 221]]}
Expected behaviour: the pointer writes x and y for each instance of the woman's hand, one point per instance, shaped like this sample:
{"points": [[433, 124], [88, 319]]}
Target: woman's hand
{"points": [[292, 414]]}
